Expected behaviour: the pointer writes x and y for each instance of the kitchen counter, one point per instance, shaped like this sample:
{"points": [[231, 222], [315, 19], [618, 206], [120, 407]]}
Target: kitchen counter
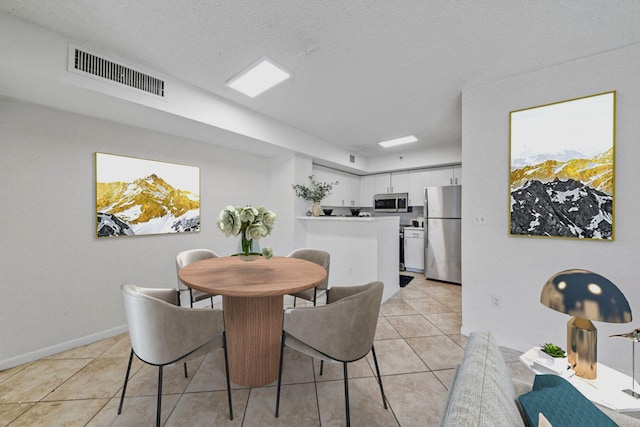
{"points": [[363, 249], [342, 218]]}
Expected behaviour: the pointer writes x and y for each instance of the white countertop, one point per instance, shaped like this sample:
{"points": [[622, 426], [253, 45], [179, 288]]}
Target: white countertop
{"points": [[349, 218]]}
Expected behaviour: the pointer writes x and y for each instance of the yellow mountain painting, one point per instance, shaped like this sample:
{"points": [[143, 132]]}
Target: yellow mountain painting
{"points": [[597, 172]]}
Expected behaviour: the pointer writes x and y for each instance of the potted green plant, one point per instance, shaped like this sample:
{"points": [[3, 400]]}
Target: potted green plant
{"points": [[552, 350], [553, 357], [315, 193]]}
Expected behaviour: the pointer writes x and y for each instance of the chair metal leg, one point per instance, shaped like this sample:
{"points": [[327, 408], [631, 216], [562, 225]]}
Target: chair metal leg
{"points": [[375, 361], [186, 375], [226, 369], [321, 366], [126, 381], [280, 374], [315, 291], [211, 302], [191, 297], [158, 410], [346, 393], [294, 301]]}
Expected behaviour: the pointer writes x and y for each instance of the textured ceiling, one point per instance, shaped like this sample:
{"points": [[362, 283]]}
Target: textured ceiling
{"points": [[363, 70]]}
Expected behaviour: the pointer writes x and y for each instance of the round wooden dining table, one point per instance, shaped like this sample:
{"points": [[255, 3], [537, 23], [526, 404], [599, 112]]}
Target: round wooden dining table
{"points": [[252, 300]]}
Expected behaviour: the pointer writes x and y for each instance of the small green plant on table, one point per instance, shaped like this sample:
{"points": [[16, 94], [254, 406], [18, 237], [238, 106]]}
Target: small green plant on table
{"points": [[553, 350]]}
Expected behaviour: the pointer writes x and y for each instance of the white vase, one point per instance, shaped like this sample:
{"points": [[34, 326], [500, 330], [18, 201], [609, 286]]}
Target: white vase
{"points": [[316, 209]]}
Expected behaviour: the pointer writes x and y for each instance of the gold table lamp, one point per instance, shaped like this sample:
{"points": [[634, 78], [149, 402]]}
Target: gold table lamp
{"points": [[585, 296]]}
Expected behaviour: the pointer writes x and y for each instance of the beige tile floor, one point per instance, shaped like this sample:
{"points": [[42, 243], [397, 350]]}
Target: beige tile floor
{"points": [[418, 344]]}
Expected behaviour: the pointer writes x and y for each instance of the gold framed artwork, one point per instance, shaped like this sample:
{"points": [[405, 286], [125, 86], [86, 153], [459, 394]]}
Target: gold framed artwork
{"points": [[562, 159], [138, 197]]}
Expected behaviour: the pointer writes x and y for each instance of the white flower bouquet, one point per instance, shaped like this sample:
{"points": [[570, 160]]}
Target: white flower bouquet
{"points": [[250, 223]]}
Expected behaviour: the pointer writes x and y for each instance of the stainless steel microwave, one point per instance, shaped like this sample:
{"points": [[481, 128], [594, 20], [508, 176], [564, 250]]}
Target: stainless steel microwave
{"points": [[392, 202]]}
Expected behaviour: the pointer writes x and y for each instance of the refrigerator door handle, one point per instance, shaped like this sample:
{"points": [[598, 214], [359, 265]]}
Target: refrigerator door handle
{"points": [[426, 236], [426, 229], [426, 204]]}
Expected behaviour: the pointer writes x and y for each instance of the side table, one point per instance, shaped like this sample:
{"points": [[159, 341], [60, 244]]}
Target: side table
{"points": [[605, 390]]}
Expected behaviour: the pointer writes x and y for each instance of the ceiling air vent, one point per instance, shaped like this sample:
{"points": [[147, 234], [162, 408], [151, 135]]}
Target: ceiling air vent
{"points": [[352, 158], [88, 63]]}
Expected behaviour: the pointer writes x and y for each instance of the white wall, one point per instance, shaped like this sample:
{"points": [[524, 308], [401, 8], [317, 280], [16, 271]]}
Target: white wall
{"points": [[34, 69], [59, 283], [515, 268], [285, 171]]}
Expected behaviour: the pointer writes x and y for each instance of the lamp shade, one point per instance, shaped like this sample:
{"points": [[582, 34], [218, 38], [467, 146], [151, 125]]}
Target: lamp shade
{"points": [[586, 295]]}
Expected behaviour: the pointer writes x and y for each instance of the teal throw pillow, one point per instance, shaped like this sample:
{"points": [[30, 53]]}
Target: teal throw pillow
{"points": [[562, 404]]}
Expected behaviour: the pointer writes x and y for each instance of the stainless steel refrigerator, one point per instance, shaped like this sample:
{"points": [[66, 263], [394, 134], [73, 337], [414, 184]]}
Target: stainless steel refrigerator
{"points": [[443, 233]]}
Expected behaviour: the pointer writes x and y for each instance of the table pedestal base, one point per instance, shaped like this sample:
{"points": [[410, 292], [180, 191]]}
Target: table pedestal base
{"points": [[253, 327]]}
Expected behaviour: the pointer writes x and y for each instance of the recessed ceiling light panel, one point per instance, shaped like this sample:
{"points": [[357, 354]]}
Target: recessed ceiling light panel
{"points": [[398, 141], [260, 76]]}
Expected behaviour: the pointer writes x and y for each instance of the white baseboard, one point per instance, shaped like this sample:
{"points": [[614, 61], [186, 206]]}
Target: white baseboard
{"points": [[58, 348]]}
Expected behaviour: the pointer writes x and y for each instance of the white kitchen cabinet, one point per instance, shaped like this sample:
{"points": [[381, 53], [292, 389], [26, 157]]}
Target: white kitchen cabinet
{"points": [[414, 249], [352, 190], [322, 174], [367, 190], [347, 190], [417, 181], [449, 175], [400, 182], [396, 182], [382, 183], [358, 191], [440, 176], [457, 175]]}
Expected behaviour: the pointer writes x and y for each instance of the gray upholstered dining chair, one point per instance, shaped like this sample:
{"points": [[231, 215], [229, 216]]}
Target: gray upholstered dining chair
{"points": [[321, 258], [162, 333], [185, 258], [348, 327]]}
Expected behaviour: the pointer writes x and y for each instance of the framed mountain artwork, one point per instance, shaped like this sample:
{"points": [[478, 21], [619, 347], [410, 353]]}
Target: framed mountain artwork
{"points": [[137, 197], [562, 169]]}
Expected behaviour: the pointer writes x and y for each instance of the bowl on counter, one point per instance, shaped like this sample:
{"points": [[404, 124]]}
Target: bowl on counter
{"points": [[355, 212], [327, 212]]}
